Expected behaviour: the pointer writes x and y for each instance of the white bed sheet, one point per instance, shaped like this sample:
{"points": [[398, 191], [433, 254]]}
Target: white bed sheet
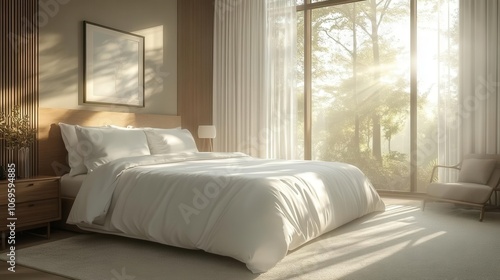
{"points": [[229, 204], [70, 185]]}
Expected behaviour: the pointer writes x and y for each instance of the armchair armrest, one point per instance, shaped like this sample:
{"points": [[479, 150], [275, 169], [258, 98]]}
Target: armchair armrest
{"points": [[456, 166]]}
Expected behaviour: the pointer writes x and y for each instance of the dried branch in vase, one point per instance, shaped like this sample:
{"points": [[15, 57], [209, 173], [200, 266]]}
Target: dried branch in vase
{"points": [[16, 129]]}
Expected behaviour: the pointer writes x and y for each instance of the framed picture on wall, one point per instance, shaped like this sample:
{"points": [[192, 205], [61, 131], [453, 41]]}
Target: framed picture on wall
{"points": [[113, 66]]}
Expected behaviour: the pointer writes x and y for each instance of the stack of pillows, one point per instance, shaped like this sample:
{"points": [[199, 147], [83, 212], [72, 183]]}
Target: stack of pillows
{"points": [[90, 147]]}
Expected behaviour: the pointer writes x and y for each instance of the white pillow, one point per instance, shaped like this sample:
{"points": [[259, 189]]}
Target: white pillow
{"points": [[476, 171], [166, 141], [100, 145], [75, 159]]}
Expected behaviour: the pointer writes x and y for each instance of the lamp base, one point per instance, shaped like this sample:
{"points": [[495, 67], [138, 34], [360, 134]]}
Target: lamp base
{"points": [[207, 145]]}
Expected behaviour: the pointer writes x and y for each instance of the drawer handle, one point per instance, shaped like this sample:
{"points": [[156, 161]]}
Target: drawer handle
{"points": [[30, 185], [31, 205]]}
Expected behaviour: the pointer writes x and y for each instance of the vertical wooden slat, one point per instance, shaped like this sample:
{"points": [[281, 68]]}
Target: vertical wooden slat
{"points": [[19, 62], [36, 90]]}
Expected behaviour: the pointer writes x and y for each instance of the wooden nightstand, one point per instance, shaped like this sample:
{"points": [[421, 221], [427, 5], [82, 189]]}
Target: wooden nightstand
{"points": [[38, 202]]}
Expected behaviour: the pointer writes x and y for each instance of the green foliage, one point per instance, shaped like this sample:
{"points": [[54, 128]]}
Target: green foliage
{"points": [[16, 129], [361, 93], [361, 86]]}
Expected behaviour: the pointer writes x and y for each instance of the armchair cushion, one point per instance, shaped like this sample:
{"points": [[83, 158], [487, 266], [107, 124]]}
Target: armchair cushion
{"points": [[467, 192], [476, 171]]}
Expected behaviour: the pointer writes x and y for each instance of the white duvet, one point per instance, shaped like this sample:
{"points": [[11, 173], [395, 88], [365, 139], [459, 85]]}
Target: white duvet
{"points": [[229, 204]]}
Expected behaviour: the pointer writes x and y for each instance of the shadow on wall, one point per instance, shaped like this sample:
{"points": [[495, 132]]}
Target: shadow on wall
{"points": [[61, 72]]}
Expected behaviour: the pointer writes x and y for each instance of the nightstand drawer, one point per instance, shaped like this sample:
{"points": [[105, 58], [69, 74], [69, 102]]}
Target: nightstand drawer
{"points": [[34, 211], [31, 190]]}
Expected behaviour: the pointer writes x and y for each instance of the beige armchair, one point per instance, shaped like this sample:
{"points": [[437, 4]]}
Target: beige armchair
{"points": [[477, 185]]}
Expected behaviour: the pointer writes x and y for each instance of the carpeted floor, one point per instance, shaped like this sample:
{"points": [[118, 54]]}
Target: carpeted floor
{"points": [[443, 242]]}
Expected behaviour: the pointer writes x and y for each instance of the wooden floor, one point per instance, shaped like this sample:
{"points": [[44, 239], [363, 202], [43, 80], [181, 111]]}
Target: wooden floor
{"points": [[23, 240]]}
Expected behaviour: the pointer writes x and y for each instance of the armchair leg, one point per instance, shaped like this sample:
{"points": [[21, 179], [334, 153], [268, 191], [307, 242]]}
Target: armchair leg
{"points": [[423, 204], [481, 215]]}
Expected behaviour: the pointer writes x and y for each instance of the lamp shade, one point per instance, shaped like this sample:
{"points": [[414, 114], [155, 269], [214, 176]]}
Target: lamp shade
{"points": [[206, 131]]}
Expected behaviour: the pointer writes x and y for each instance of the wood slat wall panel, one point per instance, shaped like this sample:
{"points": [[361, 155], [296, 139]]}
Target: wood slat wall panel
{"points": [[19, 62], [195, 21]]}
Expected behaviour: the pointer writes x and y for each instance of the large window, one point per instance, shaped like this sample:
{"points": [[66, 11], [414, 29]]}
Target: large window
{"points": [[364, 99]]}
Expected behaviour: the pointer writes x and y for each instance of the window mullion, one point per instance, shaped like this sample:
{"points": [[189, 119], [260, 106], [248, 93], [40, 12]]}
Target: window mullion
{"points": [[413, 96]]}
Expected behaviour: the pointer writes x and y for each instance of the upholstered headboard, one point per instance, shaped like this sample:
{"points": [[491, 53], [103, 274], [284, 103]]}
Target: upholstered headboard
{"points": [[52, 155]]}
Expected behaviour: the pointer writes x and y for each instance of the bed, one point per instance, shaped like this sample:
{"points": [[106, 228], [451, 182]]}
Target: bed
{"points": [[53, 156], [231, 204]]}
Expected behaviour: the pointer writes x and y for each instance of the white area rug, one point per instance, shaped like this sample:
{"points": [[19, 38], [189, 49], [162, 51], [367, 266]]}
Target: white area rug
{"points": [[403, 243]]}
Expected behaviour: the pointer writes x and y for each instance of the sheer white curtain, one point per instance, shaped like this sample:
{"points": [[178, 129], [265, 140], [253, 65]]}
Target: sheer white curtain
{"points": [[479, 76], [469, 109], [254, 62], [448, 94]]}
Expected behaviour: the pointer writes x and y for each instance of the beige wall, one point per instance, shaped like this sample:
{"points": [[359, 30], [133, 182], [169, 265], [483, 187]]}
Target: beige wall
{"points": [[61, 50]]}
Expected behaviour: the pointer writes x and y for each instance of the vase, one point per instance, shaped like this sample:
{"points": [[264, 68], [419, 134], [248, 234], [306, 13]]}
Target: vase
{"points": [[23, 162]]}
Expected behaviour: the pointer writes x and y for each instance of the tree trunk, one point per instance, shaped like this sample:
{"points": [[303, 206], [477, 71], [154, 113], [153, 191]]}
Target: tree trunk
{"points": [[356, 136], [376, 141]]}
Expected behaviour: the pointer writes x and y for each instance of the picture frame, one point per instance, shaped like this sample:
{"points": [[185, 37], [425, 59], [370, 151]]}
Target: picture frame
{"points": [[113, 66]]}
